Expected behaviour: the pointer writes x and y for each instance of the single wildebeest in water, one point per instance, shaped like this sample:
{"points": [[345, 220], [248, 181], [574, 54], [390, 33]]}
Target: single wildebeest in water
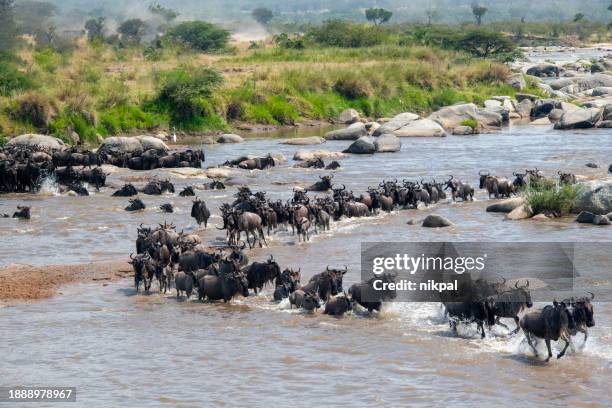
{"points": [[183, 283], [338, 305], [510, 303], [583, 313], [322, 185], [301, 299], [167, 208], [187, 192], [128, 190], [22, 213], [135, 205], [460, 190], [554, 322], [365, 295], [259, 274], [200, 212], [478, 311]]}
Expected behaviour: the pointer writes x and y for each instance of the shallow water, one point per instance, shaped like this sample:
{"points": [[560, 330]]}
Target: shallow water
{"points": [[126, 350]]}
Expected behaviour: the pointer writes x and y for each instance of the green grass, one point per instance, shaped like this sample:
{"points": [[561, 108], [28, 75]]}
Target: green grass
{"points": [[547, 196], [471, 123]]}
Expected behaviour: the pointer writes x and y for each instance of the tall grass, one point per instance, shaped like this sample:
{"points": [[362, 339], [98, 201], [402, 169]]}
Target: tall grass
{"points": [[548, 197]]}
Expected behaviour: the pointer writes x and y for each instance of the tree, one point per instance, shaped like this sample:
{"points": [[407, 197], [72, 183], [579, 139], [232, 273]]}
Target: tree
{"points": [[200, 35], [132, 30], [485, 43], [7, 25], [479, 12], [378, 15], [262, 15], [167, 14], [95, 28], [578, 17], [432, 15]]}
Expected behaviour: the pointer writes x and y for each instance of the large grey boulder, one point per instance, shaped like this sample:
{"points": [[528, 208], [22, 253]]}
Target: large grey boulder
{"points": [[607, 112], [602, 91], [578, 119], [349, 116], [303, 155], [524, 107], [492, 103], [544, 70], [561, 83], [363, 145], [595, 197], [436, 221], [43, 141], [521, 212], [589, 82], [598, 103], [585, 217], [396, 123], [506, 206], [152, 142], [352, 132], [303, 141], [451, 116], [387, 143], [463, 131], [230, 138], [120, 145], [421, 128]]}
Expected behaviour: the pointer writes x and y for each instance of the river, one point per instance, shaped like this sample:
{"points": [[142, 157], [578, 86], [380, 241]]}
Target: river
{"points": [[122, 349]]}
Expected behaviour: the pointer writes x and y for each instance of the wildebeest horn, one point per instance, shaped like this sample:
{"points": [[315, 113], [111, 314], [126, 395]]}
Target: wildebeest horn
{"points": [[327, 269], [451, 177], [527, 284], [592, 295], [321, 177], [559, 172], [132, 255], [516, 284], [343, 187]]}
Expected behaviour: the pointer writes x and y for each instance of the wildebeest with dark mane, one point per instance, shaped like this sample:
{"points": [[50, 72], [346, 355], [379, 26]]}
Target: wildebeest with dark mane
{"points": [[187, 192], [495, 186], [338, 305], [324, 184], [135, 205], [365, 295], [229, 283], [460, 190], [327, 283], [511, 303], [259, 274], [304, 299], [554, 322], [583, 313], [286, 284], [479, 311], [128, 190], [167, 208], [200, 212]]}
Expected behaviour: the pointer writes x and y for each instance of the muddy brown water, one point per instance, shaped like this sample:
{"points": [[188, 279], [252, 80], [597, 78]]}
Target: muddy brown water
{"points": [[122, 349]]}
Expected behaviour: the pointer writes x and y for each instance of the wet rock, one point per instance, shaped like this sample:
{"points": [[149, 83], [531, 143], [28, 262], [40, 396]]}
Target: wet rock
{"points": [[506, 206], [544, 70], [119, 144], [589, 82], [524, 107], [597, 67], [555, 115], [601, 220], [521, 212], [540, 217], [463, 130], [561, 83], [436, 221], [151, 142], [541, 122], [585, 217], [610, 169], [371, 127], [451, 116], [607, 113], [592, 165], [349, 116], [238, 181], [230, 138], [387, 143], [302, 155], [594, 196], [304, 141], [578, 119], [517, 81], [421, 128], [363, 145], [352, 132], [411, 221], [396, 123], [44, 141], [602, 91]]}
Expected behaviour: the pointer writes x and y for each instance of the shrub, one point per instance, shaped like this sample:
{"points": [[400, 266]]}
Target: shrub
{"points": [[547, 196], [339, 33], [352, 87], [200, 35], [33, 108], [485, 43], [185, 94], [126, 118], [473, 123], [12, 80], [73, 120], [132, 30]]}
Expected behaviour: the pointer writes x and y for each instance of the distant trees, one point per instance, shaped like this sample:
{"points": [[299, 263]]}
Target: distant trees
{"points": [[200, 35], [262, 15], [167, 14], [578, 17], [479, 12], [432, 15], [94, 27], [132, 30], [341, 33], [485, 43], [378, 16]]}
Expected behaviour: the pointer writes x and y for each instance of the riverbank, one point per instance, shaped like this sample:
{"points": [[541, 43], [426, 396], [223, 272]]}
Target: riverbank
{"points": [[25, 283]]}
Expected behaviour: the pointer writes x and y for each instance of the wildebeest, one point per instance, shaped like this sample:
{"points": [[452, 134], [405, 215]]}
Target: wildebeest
{"points": [[187, 192], [324, 184], [510, 303], [229, 283], [519, 181], [479, 311], [259, 274], [333, 165], [302, 226], [460, 190], [286, 284], [495, 186], [22, 213], [338, 305], [316, 163], [78, 188], [582, 313], [200, 212], [167, 208], [184, 283], [365, 295], [301, 299], [214, 185], [190, 261], [257, 163], [327, 283], [566, 178], [249, 223], [144, 270], [128, 190], [551, 323], [135, 205], [158, 187]]}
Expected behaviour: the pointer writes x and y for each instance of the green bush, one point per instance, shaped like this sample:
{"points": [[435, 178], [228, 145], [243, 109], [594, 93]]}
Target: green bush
{"points": [[72, 120], [185, 94], [352, 87], [12, 80], [548, 197], [471, 123], [200, 35], [33, 108], [344, 34], [3, 140], [125, 119]]}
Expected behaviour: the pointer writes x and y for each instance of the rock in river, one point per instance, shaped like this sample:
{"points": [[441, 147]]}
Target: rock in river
{"points": [[363, 145], [304, 141], [349, 116], [47, 142], [230, 138], [353, 132], [579, 119], [421, 128], [436, 221], [387, 143], [594, 196], [396, 123], [585, 217], [302, 155], [506, 206]]}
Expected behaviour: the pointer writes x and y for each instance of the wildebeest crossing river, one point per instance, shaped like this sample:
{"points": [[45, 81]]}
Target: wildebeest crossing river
{"points": [[123, 349]]}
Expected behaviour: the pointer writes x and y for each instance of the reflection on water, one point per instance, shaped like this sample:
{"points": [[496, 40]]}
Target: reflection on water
{"points": [[126, 350]]}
